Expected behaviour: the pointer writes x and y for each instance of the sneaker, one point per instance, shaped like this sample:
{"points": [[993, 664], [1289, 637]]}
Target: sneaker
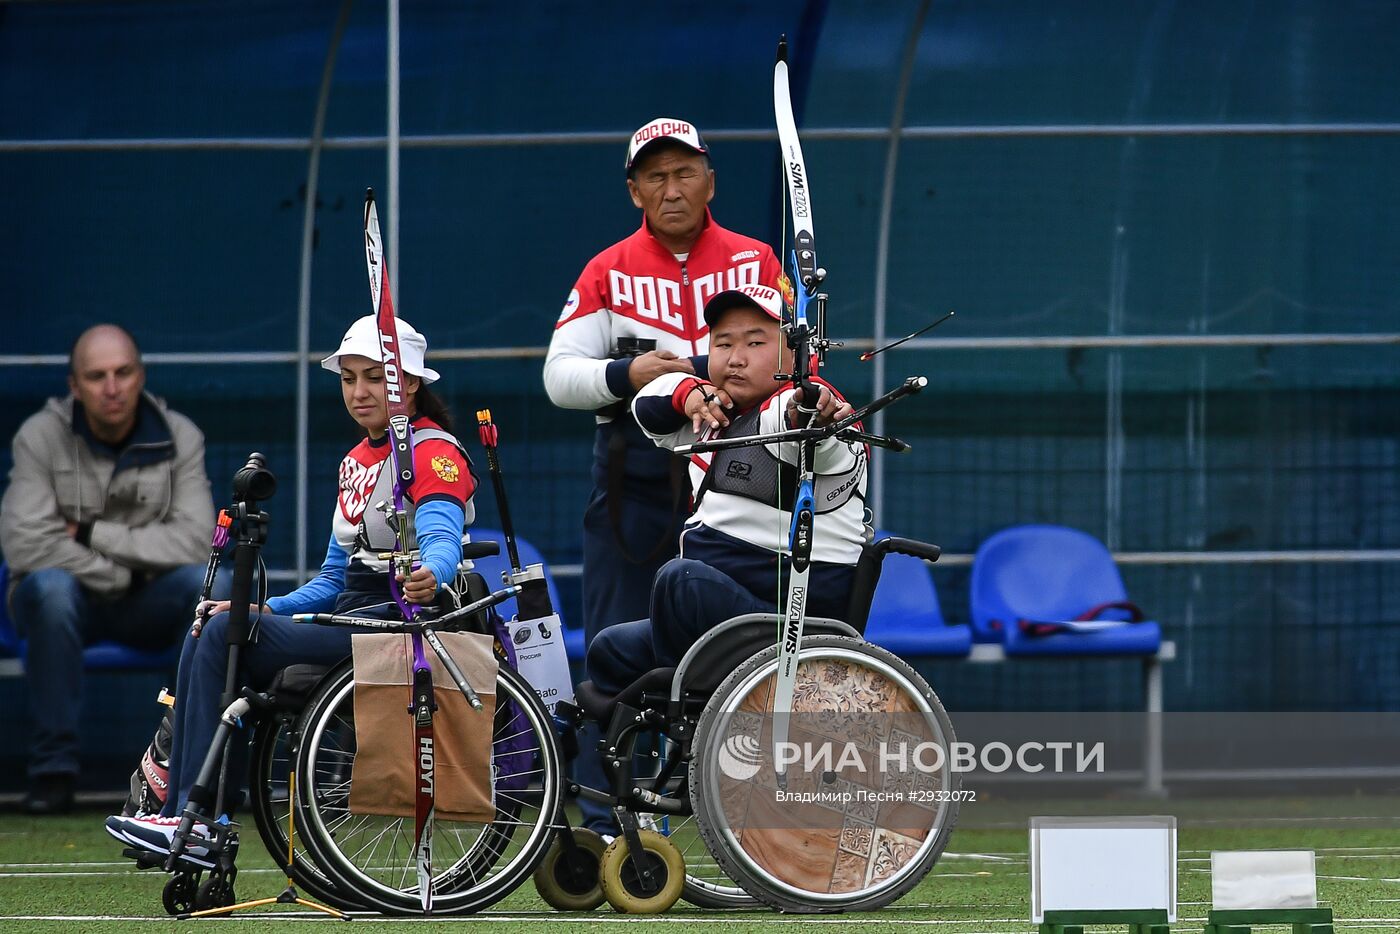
{"points": [[158, 833], [116, 826]]}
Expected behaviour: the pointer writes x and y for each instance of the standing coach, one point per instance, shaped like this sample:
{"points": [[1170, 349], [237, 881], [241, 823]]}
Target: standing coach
{"points": [[636, 313]]}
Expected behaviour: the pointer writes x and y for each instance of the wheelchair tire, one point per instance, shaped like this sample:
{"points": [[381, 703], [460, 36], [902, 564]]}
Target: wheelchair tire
{"points": [[759, 857], [371, 858], [706, 885], [270, 762], [711, 893], [568, 879], [619, 879], [178, 894], [214, 892]]}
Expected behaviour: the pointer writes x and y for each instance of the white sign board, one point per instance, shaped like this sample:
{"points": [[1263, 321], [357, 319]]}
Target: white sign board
{"points": [[1254, 879], [1103, 864], [541, 658]]}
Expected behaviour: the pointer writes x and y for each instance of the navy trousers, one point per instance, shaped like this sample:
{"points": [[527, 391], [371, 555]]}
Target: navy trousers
{"points": [[59, 617], [688, 599], [617, 590], [200, 685]]}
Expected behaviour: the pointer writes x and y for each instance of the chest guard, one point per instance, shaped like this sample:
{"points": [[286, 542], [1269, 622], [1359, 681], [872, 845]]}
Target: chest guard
{"points": [[374, 534], [756, 474]]}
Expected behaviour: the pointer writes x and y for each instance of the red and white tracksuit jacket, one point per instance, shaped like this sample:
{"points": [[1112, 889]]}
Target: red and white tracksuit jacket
{"points": [[638, 288]]}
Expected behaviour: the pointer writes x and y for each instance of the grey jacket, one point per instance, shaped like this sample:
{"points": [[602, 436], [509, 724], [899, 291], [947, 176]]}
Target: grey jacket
{"points": [[149, 510]]}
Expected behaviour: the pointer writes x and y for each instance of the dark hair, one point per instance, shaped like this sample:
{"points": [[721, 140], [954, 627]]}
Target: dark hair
{"points": [[433, 407], [663, 143], [73, 349]]}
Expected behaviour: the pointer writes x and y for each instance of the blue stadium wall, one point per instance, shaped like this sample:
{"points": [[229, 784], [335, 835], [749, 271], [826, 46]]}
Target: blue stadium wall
{"points": [[1026, 234]]}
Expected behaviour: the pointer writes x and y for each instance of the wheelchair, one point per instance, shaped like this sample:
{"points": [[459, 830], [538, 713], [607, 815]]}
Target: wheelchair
{"points": [[679, 816], [371, 858], [302, 751], [866, 840]]}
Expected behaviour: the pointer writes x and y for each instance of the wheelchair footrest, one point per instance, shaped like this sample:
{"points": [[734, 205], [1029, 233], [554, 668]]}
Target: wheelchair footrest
{"points": [[145, 859]]}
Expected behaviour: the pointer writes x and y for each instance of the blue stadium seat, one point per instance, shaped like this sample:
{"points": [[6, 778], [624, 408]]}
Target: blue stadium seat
{"points": [[491, 568], [905, 616], [1049, 574], [100, 656]]}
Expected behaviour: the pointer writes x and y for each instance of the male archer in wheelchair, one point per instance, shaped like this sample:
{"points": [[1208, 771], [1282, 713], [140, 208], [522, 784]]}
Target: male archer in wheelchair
{"points": [[734, 548]]}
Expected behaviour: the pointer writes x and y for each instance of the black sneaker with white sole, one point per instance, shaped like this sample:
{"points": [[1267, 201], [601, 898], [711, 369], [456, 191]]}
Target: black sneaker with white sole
{"points": [[156, 834]]}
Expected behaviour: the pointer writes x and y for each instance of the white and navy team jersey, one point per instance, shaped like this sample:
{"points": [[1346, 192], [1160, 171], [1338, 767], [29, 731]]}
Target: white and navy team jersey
{"points": [[747, 494], [637, 288]]}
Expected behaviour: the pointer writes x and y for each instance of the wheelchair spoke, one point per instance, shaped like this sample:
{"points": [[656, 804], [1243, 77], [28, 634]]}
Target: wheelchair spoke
{"points": [[474, 862]]}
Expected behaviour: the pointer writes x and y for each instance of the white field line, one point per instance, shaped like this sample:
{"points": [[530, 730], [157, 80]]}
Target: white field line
{"points": [[972, 875], [1331, 849], [1189, 823], [51, 868], [572, 919], [526, 917], [1343, 852], [120, 862], [1360, 856], [126, 872]]}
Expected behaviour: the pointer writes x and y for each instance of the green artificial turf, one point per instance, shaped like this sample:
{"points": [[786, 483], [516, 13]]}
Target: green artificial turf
{"points": [[68, 867]]}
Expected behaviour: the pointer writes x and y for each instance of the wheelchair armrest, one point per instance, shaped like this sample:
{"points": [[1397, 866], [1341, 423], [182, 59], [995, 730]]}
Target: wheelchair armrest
{"points": [[907, 546], [868, 573], [473, 550]]}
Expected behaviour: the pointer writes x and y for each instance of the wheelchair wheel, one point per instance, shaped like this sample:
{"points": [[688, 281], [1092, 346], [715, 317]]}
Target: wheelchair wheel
{"points": [[371, 858], [214, 892], [269, 796], [706, 884], [178, 895], [851, 832], [567, 879], [620, 878]]}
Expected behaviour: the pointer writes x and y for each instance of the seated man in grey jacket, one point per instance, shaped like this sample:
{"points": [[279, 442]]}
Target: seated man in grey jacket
{"points": [[105, 527]]}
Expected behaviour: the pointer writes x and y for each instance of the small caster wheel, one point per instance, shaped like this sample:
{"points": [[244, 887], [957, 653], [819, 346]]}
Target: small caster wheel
{"points": [[179, 893], [567, 878], [620, 880], [214, 892]]}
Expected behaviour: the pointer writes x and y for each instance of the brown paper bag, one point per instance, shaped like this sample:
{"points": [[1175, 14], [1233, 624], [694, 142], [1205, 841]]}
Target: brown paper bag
{"points": [[384, 777]]}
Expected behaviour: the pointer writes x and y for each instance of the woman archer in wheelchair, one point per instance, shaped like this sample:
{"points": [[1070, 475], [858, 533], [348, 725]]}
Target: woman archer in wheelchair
{"points": [[353, 576]]}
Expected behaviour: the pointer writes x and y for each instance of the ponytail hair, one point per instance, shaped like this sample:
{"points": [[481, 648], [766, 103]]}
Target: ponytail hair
{"points": [[430, 405]]}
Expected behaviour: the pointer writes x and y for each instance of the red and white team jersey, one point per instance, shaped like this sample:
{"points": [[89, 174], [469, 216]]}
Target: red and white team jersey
{"points": [[638, 288], [441, 472]]}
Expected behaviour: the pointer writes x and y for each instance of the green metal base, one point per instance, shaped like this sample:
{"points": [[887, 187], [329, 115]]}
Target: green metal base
{"points": [[1303, 920], [1147, 921]]}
